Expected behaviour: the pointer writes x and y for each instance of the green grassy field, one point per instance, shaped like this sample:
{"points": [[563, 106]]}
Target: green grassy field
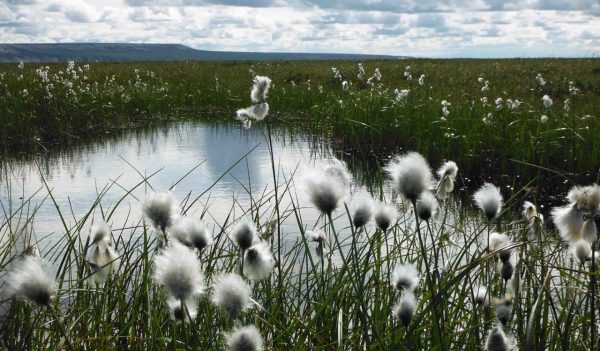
{"points": [[105, 98], [348, 302]]}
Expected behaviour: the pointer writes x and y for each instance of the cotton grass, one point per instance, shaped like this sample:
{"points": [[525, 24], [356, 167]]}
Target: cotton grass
{"points": [[258, 261], [405, 308], [244, 339], [260, 88], [231, 294], [326, 188], [362, 209], [191, 232], [385, 215], [410, 175], [496, 340], [32, 280], [405, 277], [178, 270], [244, 234], [489, 200], [161, 209]]}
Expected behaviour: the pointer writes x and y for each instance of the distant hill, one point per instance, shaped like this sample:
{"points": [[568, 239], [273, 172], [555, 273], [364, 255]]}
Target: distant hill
{"points": [[121, 52]]}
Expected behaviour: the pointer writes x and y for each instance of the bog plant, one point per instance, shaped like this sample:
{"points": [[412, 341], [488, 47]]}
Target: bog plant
{"points": [[404, 266]]}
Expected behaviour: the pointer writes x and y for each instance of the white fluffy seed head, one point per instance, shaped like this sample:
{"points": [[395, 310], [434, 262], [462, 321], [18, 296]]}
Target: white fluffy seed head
{"points": [[244, 339], [498, 241], [191, 232], [582, 250], [489, 200], [569, 222], [180, 314], [103, 261], [503, 309], [449, 169], [231, 294], [161, 209], [244, 233], [32, 280], [405, 308], [178, 270], [318, 236], [260, 89], [339, 170], [496, 340], [444, 188], [482, 297], [410, 174], [362, 209], [258, 261], [315, 235], [506, 270], [405, 277], [325, 192], [589, 231], [529, 210], [385, 215], [100, 232], [587, 198], [426, 205], [259, 111]]}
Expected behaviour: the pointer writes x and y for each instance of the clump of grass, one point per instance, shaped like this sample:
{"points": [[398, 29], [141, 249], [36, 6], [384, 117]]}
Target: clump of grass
{"points": [[351, 300]]}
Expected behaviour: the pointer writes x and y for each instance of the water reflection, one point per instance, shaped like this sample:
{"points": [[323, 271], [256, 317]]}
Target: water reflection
{"points": [[76, 176]]}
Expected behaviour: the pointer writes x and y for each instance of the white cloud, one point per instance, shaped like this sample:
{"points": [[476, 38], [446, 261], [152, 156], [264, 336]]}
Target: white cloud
{"points": [[484, 28]]}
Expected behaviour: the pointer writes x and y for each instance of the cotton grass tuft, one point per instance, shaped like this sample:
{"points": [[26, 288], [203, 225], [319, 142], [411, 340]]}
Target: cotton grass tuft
{"points": [[178, 270], [405, 308], [191, 232], [385, 215], [410, 175], [244, 234], [489, 200], [426, 205], [405, 277], [362, 209], [244, 339], [32, 280], [258, 261], [496, 340], [260, 89], [161, 209], [231, 294]]}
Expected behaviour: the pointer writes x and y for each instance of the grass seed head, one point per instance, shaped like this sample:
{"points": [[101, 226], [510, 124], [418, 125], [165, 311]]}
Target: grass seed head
{"points": [[426, 205], [405, 277], [244, 233], [489, 200], [496, 340], [569, 222], [161, 209], [260, 89], [410, 174], [362, 209], [258, 261], [178, 270], [191, 232], [405, 308], [244, 339], [385, 215], [31, 280], [231, 294]]}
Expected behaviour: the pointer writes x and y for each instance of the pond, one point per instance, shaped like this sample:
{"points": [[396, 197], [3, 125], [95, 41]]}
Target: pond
{"points": [[230, 165]]}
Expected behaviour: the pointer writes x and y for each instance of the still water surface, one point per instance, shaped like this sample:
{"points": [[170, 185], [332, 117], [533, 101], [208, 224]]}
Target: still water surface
{"points": [[76, 176]]}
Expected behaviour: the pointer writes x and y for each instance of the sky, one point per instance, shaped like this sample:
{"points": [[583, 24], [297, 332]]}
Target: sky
{"points": [[423, 28]]}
